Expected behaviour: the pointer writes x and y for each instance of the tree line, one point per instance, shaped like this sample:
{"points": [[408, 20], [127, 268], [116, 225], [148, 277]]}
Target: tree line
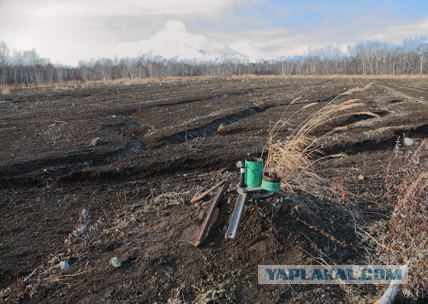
{"points": [[368, 58]]}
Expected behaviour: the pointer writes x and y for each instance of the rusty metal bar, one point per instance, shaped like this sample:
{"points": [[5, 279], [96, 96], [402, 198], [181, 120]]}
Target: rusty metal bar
{"points": [[201, 195], [203, 231]]}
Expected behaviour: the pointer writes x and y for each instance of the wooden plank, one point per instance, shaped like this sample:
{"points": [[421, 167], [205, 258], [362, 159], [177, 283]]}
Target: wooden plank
{"points": [[203, 231]]}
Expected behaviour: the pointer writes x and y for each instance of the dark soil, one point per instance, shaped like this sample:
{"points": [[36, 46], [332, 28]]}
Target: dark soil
{"points": [[161, 142]]}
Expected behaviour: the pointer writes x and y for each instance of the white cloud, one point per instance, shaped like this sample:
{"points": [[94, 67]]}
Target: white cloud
{"points": [[400, 32], [69, 30], [94, 8], [172, 41], [274, 43]]}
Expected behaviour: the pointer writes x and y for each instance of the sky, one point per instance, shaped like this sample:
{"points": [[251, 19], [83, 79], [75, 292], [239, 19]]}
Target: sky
{"points": [[66, 31]]}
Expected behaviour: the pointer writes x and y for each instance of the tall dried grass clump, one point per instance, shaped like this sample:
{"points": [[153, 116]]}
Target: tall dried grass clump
{"points": [[405, 239], [293, 158]]}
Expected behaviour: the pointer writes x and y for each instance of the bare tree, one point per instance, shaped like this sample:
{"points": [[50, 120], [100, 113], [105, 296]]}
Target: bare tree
{"points": [[366, 58]]}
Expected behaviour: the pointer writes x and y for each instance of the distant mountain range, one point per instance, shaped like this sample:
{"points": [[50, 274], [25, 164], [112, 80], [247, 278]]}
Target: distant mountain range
{"points": [[174, 42]]}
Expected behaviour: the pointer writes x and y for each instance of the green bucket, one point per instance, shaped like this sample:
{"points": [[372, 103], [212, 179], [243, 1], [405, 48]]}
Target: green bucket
{"points": [[253, 172], [271, 184]]}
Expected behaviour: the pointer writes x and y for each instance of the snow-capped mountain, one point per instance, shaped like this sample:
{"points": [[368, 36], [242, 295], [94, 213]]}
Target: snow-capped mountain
{"points": [[175, 42]]}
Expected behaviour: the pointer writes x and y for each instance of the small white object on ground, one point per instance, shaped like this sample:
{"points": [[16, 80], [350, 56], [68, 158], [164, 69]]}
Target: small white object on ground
{"points": [[361, 177], [221, 127], [408, 141], [64, 266], [115, 262], [96, 141]]}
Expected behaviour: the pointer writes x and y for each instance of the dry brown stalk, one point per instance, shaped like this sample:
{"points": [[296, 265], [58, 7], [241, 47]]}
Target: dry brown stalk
{"points": [[406, 238], [293, 158], [327, 235]]}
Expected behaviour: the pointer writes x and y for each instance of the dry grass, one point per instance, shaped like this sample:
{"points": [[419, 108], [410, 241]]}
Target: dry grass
{"points": [[336, 76], [294, 158], [5, 91], [79, 84], [355, 90], [405, 239]]}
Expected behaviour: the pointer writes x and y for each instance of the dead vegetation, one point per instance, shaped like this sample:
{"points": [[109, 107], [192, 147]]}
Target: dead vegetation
{"points": [[80, 84], [403, 239], [5, 91], [355, 90], [294, 158]]}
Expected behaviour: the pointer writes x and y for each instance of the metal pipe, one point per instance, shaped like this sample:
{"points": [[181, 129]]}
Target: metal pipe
{"points": [[236, 217]]}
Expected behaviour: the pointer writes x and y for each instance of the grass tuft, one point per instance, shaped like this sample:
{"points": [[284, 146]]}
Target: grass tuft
{"points": [[293, 158]]}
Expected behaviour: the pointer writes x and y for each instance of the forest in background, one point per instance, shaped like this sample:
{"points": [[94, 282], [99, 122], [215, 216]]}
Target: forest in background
{"points": [[365, 58]]}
